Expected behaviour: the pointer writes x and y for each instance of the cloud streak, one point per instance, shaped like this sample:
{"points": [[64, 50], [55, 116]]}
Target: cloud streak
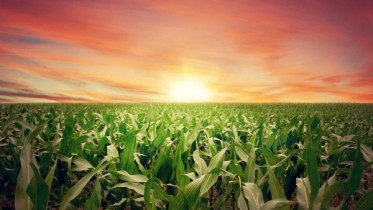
{"points": [[67, 21], [53, 98]]}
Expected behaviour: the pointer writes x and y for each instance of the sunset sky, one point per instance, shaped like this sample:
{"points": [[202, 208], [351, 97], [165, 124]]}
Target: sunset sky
{"points": [[138, 51]]}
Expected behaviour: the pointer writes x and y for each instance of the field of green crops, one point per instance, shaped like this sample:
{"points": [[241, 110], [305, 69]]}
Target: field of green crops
{"points": [[186, 156]]}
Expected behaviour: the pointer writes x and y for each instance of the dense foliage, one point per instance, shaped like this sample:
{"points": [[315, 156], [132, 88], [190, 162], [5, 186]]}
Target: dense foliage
{"points": [[186, 156]]}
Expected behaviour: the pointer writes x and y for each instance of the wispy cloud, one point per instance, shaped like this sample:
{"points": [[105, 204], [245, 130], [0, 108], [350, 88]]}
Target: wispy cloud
{"points": [[56, 98], [74, 22]]}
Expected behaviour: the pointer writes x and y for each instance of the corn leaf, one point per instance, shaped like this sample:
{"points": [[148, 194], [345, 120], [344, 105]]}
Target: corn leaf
{"points": [[81, 164], [274, 185], [199, 164], [137, 187], [241, 202], [353, 181], [22, 200], [253, 195], [124, 175], [50, 175], [126, 156], [303, 193], [74, 191], [38, 190], [94, 201], [276, 204], [312, 170]]}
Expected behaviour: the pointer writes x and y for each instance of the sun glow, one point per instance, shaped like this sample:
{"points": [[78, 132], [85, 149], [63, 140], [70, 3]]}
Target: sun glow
{"points": [[189, 91]]}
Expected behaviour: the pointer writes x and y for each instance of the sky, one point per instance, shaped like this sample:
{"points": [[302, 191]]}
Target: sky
{"points": [[138, 51]]}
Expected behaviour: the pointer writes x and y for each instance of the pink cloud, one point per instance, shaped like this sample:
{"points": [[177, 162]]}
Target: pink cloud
{"points": [[55, 98], [73, 22]]}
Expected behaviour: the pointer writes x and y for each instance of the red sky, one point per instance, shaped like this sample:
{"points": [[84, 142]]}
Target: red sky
{"points": [[135, 51]]}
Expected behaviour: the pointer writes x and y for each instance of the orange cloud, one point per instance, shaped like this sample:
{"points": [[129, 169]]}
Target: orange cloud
{"points": [[72, 22], [53, 98]]}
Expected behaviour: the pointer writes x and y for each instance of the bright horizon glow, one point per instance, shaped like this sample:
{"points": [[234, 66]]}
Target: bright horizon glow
{"points": [[189, 91]]}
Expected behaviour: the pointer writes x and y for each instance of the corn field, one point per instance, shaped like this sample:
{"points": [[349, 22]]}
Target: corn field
{"points": [[186, 156]]}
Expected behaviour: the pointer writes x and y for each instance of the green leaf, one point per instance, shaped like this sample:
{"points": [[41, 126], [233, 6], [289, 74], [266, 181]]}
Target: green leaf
{"points": [[81, 164], [241, 153], [38, 190], [367, 153], [312, 170], [253, 195], [209, 180], [50, 175], [112, 151], [161, 136], [199, 164], [74, 191], [269, 156], [122, 128], [127, 155], [102, 143], [249, 174], [137, 187], [22, 200], [274, 185], [235, 133], [186, 198], [180, 172], [149, 198], [285, 160], [303, 193], [353, 181], [315, 122], [283, 137], [162, 167], [180, 169], [276, 204], [191, 136], [260, 135], [94, 201], [365, 202], [124, 175], [192, 191], [153, 192], [330, 191], [241, 202], [235, 168], [317, 203], [32, 136], [65, 148], [271, 140], [216, 161], [118, 204]]}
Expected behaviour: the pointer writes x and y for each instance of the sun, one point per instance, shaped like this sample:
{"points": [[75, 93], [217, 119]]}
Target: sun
{"points": [[189, 91]]}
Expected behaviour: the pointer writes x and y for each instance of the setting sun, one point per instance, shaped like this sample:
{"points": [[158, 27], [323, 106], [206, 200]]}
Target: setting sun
{"points": [[189, 91]]}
